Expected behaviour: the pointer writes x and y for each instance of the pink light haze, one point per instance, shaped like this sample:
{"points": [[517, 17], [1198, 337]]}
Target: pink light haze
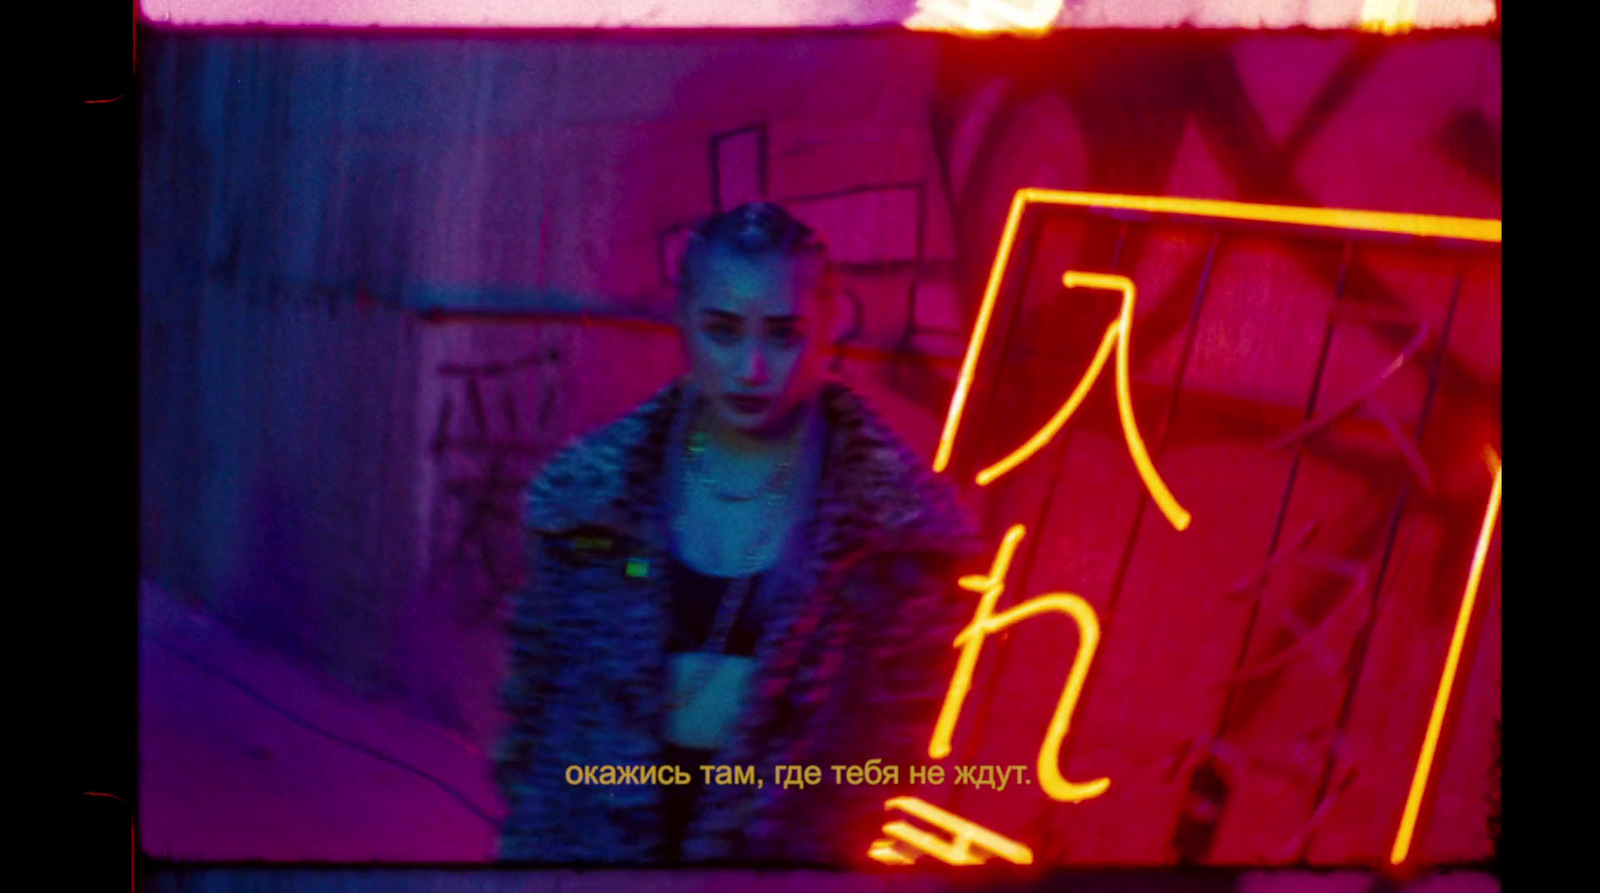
{"points": [[526, 14], [926, 14]]}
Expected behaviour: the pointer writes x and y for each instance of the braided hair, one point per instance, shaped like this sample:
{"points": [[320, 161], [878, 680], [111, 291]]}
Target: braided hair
{"points": [[755, 229]]}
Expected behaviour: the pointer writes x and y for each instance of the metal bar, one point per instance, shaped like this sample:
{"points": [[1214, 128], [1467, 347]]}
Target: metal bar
{"points": [[1294, 472], [763, 153], [916, 275], [1166, 426], [759, 128], [716, 174], [1364, 637], [543, 317], [1187, 833], [645, 324], [902, 186]]}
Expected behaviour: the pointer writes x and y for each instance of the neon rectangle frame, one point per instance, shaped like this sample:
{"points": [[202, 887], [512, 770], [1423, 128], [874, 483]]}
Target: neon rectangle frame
{"points": [[1383, 226], [1420, 230]]}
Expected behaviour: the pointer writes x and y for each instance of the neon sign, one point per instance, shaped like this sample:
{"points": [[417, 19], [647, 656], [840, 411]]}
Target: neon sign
{"points": [[1418, 225], [986, 623], [1116, 335], [968, 835], [1441, 700]]}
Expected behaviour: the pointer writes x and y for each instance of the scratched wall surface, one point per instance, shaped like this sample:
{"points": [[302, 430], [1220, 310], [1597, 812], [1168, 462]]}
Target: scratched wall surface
{"points": [[384, 278]]}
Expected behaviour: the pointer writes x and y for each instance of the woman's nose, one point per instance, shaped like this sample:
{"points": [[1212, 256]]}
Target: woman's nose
{"points": [[753, 366]]}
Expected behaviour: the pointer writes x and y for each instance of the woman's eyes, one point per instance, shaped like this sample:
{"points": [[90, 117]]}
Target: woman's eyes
{"points": [[728, 333], [785, 335]]}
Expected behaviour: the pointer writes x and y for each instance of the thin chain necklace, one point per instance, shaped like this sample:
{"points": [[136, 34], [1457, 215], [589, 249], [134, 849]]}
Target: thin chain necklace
{"points": [[738, 589], [695, 464]]}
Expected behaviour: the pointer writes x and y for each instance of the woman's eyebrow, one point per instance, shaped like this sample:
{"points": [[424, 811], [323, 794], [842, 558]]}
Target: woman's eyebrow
{"points": [[788, 318]]}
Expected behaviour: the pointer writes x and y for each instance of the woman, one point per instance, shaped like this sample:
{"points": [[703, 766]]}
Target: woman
{"points": [[747, 570]]}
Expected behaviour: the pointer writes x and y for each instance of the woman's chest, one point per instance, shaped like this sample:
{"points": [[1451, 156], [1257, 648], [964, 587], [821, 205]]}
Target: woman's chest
{"points": [[732, 539]]}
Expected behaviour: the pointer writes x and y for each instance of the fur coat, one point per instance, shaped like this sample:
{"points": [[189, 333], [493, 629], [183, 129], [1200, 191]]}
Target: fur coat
{"points": [[852, 664]]}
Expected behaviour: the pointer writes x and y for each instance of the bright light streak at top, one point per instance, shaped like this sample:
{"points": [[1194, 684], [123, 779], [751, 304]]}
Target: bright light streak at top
{"points": [[530, 13], [962, 16], [1388, 16], [1400, 16], [986, 16]]}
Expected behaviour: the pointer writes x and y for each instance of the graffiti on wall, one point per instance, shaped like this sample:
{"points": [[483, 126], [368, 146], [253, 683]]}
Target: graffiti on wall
{"points": [[486, 441]]}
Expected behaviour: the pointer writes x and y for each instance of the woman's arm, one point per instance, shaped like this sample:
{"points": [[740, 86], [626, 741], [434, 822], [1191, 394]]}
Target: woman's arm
{"points": [[914, 611], [911, 611], [524, 695]]}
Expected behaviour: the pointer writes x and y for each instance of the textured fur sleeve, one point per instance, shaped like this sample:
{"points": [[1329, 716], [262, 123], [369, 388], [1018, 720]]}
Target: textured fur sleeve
{"points": [[524, 695], [912, 612]]}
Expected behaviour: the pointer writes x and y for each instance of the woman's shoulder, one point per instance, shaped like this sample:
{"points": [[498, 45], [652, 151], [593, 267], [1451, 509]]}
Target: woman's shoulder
{"points": [[588, 471], [884, 483]]}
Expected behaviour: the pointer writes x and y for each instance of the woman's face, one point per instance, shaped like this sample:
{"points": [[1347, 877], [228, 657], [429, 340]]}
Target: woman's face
{"points": [[755, 331]]}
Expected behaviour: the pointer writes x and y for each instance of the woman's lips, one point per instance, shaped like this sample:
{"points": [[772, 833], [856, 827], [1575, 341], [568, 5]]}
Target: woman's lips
{"points": [[748, 405]]}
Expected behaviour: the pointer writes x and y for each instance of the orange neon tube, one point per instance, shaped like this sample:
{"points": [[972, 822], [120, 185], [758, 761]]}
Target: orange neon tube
{"points": [[985, 314], [1044, 435], [1441, 701], [958, 850], [1472, 229], [985, 623], [1419, 225], [1117, 333], [885, 851], [961, 683]]}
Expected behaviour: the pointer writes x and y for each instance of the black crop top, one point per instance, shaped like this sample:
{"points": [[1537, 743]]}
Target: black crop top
{"points": [[695, 600]]}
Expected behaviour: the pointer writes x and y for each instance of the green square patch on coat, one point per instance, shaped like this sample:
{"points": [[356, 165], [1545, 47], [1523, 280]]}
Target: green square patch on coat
{"points": [[637, 567]]}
